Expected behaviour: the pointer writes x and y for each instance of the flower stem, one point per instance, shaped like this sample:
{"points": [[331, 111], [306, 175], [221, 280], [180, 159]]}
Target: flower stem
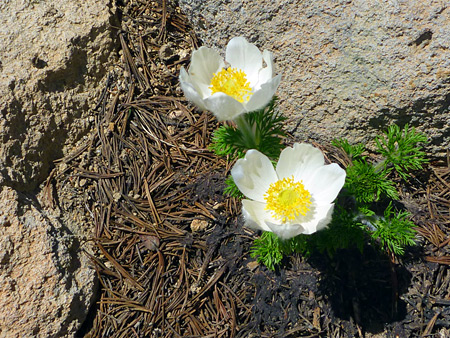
{"points": [[380, 165], [248, 132]]}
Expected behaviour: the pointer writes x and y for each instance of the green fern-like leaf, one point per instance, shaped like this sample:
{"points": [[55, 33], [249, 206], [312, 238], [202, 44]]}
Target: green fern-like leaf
{"points": [[228, 141], [402, 150], [366, 184], [394, 231], [267, 250], [268, 126], [353, 151], [343, 232], [261, 130], [231, 189], [365, 210]]}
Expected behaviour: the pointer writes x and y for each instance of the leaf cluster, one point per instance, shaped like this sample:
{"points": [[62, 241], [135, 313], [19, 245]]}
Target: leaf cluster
{"points": [[371, 186], [268, 126], [228, 140], [344, 231], [268, 250], [394, 231], [402, 152], [355, 152], [401, 149], [266, 134], [367, 184]]}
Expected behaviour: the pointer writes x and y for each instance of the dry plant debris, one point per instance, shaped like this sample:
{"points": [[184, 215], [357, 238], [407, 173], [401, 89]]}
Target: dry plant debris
{"points": [[150, 181]]}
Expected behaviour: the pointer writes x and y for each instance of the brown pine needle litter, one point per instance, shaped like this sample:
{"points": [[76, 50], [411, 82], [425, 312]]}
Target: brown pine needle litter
{"points": [[171, 255]]}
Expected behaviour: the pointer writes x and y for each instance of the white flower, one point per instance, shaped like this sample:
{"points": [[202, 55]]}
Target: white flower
{"points": [[243, 83], [295, 198]]}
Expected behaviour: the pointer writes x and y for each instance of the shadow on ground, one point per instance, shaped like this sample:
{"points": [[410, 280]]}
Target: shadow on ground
{"points": [[363, 287]]}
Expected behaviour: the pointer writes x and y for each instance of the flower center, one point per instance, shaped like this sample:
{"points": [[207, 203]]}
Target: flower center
{"points": [[232, 82], [287, 199]]}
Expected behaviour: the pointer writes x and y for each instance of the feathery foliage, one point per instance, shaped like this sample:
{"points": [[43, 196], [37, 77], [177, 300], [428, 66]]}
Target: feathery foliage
{"points": [[394, 231], [401, 149], [231, 189], [268, 250], [353, 151], [367, 185], [261, 130]]}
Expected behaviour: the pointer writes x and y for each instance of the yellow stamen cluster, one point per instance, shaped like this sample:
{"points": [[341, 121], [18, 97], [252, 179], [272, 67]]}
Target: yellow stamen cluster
{"points": [[232, 82], [287, 199]]}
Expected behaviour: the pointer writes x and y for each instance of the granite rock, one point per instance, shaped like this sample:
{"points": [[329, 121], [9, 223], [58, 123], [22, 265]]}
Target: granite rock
{"points": [[47, 283], [54, 61], [54, 57]]}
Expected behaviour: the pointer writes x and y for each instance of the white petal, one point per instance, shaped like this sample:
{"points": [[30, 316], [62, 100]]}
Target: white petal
{"points": [[300, 225], [223, 106], [245, 56], [316, 219], [320, 219], [253, 175], [255, 215], [190, 91], [266, 73], [325, 184], [302, 161], [184, 76], [286, 230], [204, 63], [262, 97]]}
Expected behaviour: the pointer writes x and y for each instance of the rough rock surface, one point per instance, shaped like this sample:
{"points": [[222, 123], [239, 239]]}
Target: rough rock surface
{"points": [[349, 68], [46, 282], [53, 58]]}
